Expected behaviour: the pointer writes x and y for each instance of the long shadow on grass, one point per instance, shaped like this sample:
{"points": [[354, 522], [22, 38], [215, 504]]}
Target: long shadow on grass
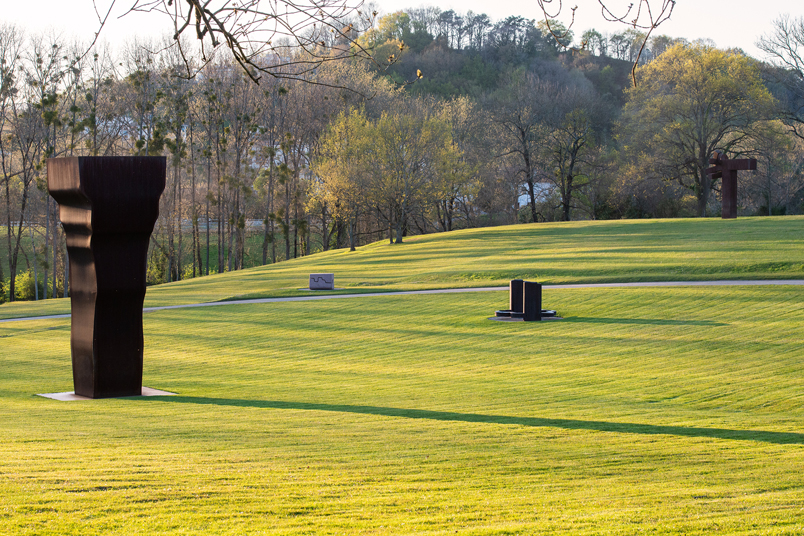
{"points": [[781, 438], [644, 321]]}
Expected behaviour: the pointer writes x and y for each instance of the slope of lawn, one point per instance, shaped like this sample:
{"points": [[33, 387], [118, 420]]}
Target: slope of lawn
{"points": [[573, 252], [647, 410]]}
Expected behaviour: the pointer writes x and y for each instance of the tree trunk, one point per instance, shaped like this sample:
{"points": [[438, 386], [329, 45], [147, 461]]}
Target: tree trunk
{"points": [[66, 272], [55, 243], [33, 255], [567, 201], [170, 230], [178, 209], [400, 217], [287, 219], [15, 250], [324, 228], [206, 213], [47, 236], [295, 228], [194, 213], [267, 230], [704, 188], [230, 233], [220, 222], [391, 225], [307, 232]]}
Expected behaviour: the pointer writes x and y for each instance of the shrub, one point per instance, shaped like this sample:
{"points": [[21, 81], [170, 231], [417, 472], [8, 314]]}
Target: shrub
{"points": [[24, 287]]}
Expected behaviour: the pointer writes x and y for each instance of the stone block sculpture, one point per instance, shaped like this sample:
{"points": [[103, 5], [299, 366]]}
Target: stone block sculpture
{"points": [[108, 207], [322, 282]]}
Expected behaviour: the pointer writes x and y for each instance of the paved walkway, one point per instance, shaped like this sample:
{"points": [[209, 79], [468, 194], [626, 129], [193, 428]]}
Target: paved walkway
{"points": [[725, 283]]}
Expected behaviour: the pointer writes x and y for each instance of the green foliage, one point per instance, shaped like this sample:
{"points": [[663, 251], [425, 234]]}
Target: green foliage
{"points": [[156, 272], [689, 102], [24, 287], [399, 161], [559, 36]]}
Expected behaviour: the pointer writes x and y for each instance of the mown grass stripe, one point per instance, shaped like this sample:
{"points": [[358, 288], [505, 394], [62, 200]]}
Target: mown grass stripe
{"points": [[665, 410]]}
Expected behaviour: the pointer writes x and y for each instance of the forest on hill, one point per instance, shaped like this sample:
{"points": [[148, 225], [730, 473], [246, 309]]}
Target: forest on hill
{"points": [[460, 122]]}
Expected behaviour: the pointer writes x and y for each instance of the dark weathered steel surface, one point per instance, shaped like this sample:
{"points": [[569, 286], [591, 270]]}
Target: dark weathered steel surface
{"points": [[108, 207], [532, 301], [728, 191], [726, 170], [515, 295], [739, 164]]}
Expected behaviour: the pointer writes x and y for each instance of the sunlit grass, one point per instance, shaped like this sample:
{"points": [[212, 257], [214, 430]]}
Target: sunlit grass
{"points": [[666, 410], [573, 252], [658, 410]]}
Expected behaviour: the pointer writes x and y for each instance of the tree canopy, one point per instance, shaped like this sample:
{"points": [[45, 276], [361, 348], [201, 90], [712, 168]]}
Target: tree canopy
{"points": [[691, 101]]}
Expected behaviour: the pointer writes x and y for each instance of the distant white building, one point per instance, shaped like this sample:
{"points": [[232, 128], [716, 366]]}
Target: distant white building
{"points": [[541, 191]]}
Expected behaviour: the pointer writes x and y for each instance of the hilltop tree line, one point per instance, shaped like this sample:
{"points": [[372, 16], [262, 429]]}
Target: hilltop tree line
{"points": [[501, 125]]}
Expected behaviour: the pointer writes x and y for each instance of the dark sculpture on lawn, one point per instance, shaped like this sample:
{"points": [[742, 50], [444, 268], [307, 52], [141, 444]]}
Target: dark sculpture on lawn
{"points": [[108, 207], [525, 302], [726, 170]]}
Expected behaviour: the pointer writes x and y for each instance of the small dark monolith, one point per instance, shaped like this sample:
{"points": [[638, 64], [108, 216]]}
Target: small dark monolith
{"points": [[532, 301], [515, 294], [108, 207], [525, 303]]}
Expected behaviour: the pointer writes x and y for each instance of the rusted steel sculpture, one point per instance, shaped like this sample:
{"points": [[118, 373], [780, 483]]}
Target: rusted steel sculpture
{"points": [[108, 207], [726, 170]]}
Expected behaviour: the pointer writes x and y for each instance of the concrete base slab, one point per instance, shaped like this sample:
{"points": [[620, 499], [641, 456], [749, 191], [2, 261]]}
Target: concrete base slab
{"points": [[72, 397]]}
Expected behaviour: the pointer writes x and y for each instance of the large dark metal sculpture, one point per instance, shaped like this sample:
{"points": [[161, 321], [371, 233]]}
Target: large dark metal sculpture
{"points": [[726, 170], [108, 207]]}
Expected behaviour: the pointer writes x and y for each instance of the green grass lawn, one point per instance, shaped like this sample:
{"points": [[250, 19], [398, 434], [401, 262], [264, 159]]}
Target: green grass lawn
{"points": [[574, 252], [666, 410], [647, 410]]}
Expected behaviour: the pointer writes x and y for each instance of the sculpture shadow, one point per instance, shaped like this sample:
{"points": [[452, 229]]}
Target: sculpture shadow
{"points": [[644, 321], [779, 438]]}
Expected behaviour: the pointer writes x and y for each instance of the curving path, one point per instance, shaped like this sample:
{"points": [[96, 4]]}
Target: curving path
{"points": [[724, 283]]}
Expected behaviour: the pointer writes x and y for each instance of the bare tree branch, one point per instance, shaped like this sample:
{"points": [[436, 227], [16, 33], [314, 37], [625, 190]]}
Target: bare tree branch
{"points": [[640, 17], [279, 38], [101, 23], [785, 49]]}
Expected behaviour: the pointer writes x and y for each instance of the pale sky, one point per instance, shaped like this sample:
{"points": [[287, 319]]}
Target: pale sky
{"points": [[730, 23]]}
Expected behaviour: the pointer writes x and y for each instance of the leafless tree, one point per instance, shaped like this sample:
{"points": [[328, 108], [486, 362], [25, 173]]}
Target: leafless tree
{"points": [[11, 44], [785, 48], [571, 139], [644, 15], [265, 37], [520, 111]]}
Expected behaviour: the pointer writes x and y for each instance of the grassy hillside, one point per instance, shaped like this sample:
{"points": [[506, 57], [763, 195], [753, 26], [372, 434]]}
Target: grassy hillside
{"points": [[574, 252], [661, 410], [665, 411]]}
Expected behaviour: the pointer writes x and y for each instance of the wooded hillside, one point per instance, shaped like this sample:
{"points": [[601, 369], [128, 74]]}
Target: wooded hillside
{"points": [[473, 123]]}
